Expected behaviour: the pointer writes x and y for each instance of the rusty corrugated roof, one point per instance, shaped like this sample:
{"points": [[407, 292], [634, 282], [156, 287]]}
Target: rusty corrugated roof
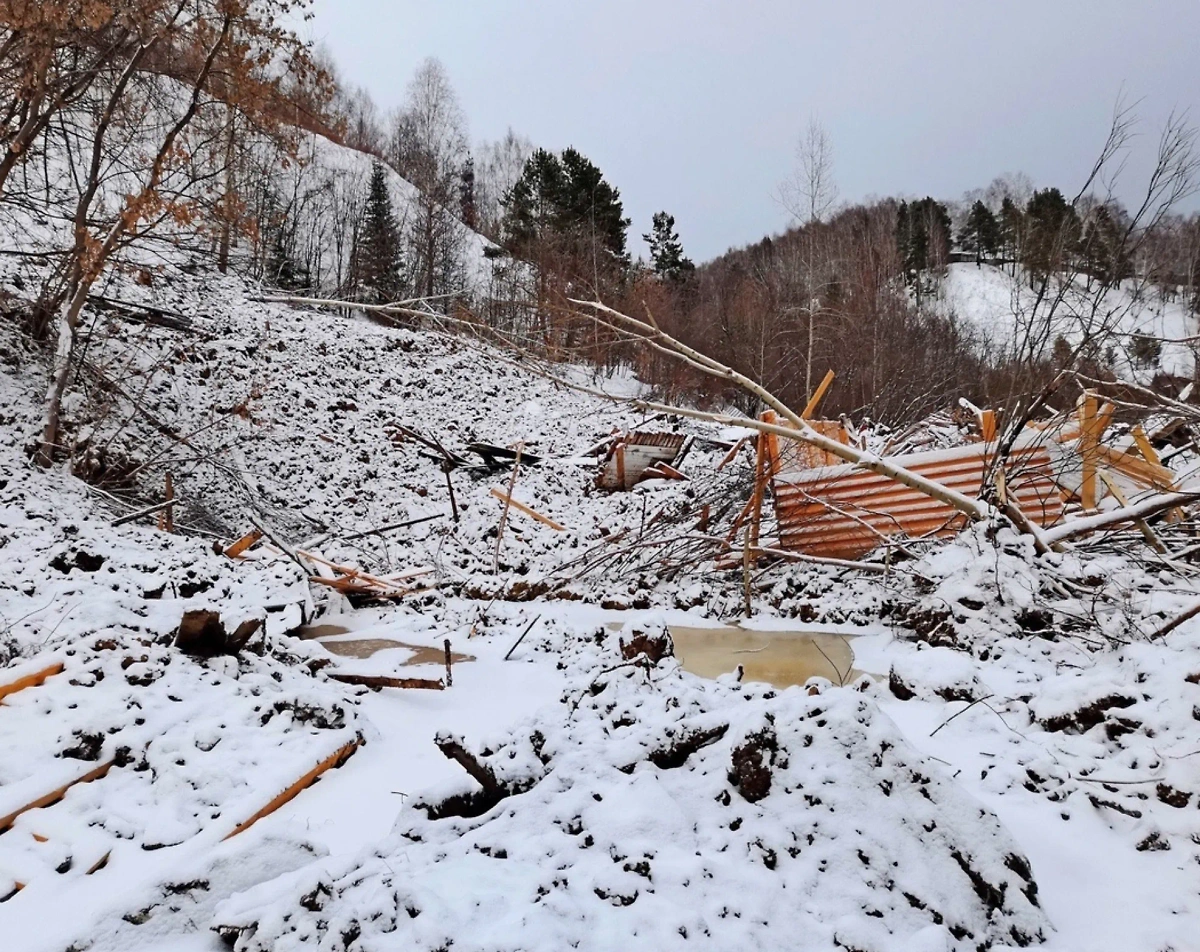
{"points": [[844, 511]]}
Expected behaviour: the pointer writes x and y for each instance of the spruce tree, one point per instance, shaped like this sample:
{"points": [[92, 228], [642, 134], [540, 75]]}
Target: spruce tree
{"points": [[981, 233], [377, 251], [1053, 232], [666, 251]]}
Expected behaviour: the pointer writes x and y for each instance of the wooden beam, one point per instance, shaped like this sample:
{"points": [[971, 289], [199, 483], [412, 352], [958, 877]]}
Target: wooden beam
{"points": [[336, 759], [732, 453], [244, 543], [987, 425], [811, 407], [33, 679], [521, 507], [1088, 441], [53, 796]]}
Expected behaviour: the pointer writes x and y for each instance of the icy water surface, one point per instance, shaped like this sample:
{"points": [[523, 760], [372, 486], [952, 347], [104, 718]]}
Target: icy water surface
{"points": [[781, 658]]}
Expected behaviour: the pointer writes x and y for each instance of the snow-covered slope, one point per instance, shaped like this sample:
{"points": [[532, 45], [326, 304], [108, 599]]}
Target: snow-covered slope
{"points": [[1005, 312]]}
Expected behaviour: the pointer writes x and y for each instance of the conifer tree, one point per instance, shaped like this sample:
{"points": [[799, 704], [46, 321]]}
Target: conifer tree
{"points": [[1053, 232], [666, 251], [377, 251], [981, 233]]}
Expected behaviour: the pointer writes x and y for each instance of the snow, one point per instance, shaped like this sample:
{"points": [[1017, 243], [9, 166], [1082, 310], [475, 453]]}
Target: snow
{"points": [[1040, 721]]}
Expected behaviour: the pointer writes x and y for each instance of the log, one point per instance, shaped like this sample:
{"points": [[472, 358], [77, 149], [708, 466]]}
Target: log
{"points": [[482, 773], [377, 681]]}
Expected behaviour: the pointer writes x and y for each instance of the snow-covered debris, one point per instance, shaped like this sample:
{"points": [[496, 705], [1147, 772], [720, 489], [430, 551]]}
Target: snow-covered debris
{"points": [[670, 812]]}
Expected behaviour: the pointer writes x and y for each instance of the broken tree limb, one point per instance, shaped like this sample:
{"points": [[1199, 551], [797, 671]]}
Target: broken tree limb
{"points": [[148, 511], [521, 507], [453, 749], [1177, 621], [1103, 520], [392, 526], [377, 681]]}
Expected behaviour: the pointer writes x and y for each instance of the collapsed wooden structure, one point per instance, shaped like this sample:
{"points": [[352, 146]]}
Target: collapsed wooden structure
{"points": [[827, 508]]}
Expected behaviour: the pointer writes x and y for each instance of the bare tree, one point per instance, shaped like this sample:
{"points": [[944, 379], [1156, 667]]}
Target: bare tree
{"points": [[429, 148], [810, 192]]}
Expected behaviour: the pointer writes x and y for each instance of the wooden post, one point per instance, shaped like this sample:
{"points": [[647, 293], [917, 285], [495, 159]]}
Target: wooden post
{"points": [[756, 497], [166, 518], [449, 672], [1088, 440], [619, 454]]}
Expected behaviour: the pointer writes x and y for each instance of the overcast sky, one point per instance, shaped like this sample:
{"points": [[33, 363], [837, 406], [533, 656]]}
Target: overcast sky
{"points": [[694, 106]]}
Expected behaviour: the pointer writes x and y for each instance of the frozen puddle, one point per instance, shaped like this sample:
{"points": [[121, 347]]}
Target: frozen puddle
{"points": [[781, 658], [369, 647]]}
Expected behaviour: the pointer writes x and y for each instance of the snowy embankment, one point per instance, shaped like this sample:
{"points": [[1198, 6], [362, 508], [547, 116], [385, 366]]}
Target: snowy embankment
{"points": [[1007, 314]]}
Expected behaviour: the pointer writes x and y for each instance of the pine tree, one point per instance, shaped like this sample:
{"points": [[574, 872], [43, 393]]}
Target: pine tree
{"points": [[666, 251], [1012, 230], [981, 233], [564, 201], [468, 209], [1053, 232], [1101, 245], [377, 251]]}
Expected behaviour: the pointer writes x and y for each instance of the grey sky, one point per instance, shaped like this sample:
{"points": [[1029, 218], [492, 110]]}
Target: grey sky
{"points": [[695, 105]]}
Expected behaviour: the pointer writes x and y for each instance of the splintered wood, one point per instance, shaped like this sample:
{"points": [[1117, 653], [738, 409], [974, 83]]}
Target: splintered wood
{"points": [[354, 581]]}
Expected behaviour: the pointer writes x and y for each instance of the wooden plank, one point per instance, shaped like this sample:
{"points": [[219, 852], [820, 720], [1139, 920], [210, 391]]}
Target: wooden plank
{"points": [[1088, 442], [33, 679], [521, 507], [336, 759], [244, 543], [53, 796], [664, 471], [732, 453], [619, 455], [987, 425], [811, 407]]}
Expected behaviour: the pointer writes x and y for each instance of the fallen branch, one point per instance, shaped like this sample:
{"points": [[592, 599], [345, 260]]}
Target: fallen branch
{"points": [[1142, 510], [148, 511], [377, 681]]}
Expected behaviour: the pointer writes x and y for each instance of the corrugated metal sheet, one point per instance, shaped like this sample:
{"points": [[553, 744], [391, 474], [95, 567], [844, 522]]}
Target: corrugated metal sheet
{"points": [[843, 511], [671, 441]]}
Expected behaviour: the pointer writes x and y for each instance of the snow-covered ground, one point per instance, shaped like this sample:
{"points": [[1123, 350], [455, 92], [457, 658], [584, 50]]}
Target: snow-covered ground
{"points": [[1015, 711]]}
